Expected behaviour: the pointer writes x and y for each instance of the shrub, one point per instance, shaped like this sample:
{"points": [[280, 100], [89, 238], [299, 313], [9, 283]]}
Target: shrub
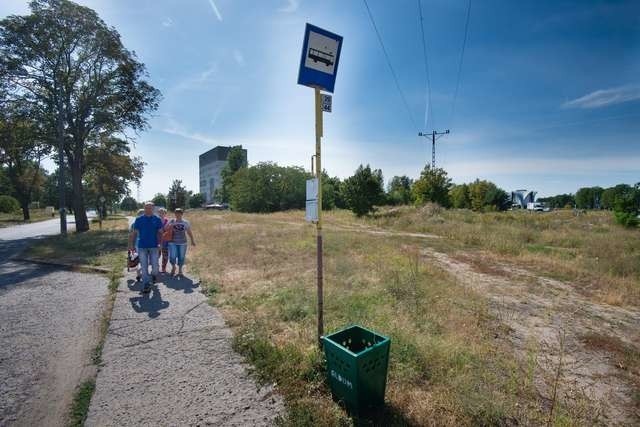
{"points": [[432, 186], [8, 204], [363, 190], [626, 219]]}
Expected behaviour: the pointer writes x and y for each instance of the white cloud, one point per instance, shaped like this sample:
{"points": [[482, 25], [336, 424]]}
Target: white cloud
{"points": [[196, 81], [174, 128], [292, 6], [239, 58], [605, 97], [167, 23], [215, 10]]}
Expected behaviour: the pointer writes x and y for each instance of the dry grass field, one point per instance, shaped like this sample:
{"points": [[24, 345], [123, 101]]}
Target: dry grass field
{"points": [[495, 319]]}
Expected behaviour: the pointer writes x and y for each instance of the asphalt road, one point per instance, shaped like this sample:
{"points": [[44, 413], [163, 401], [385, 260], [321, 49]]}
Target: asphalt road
{"points": [[14, 239], [35, 229], [49, 323]]}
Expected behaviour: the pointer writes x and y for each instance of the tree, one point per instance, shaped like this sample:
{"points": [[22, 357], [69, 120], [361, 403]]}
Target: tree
{"points": [[129, 204], [626, 206], [236, 160], [177, 197], [363, 190], [477, 193], [8, 204], [21, 151], [335, 191], [159, 200], [5, 184], [399, 190], [50, 191], [110, 169], [74, 72], [267, 187], [496, 198], [459, 196], [196, 200], [559, 201], [589, 198], [609, 195], [432, 186], [485, 195]]}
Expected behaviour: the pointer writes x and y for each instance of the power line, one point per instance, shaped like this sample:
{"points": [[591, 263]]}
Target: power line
{"points": [[428, 108], [464, 43], [393, 73]]}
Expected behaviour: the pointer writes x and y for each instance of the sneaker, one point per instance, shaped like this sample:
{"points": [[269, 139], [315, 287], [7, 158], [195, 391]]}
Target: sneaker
{"points": [[146, 289]]}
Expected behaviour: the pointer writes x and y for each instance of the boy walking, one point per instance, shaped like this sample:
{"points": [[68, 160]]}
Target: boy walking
{"points": [[148, 230]]}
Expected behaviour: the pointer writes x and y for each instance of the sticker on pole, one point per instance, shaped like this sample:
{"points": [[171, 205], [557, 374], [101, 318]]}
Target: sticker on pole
{"points": [[326, 103], [311, 212], [320, 56]]}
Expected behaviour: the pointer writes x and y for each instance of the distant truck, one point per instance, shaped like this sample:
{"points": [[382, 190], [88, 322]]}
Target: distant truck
{"points": [[535, 206]]}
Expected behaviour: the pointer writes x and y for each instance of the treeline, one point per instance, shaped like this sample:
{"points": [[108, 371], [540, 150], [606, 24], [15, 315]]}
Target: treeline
{"points": [[268, 187], [177, 197], [109, 170], [622, 199]]}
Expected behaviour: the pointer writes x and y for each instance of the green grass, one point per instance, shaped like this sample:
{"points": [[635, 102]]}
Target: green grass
{"points": [[101, 248], [81, 402]]}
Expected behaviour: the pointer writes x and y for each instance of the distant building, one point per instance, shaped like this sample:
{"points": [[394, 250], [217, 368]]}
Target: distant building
{"points": [[211, 164], [520, 198]]}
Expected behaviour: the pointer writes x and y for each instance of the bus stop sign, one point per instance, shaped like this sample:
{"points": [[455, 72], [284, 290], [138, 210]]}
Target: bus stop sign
{"points": [[320, 57]]}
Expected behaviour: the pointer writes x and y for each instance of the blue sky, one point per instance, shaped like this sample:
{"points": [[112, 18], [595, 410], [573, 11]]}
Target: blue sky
{"points": [[549, 95]]}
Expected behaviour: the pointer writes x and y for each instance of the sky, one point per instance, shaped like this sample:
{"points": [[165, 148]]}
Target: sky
{"points": [[548, 92]]}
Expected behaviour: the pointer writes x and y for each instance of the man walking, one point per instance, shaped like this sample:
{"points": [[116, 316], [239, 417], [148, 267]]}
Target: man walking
{"points": [[148, 228]]}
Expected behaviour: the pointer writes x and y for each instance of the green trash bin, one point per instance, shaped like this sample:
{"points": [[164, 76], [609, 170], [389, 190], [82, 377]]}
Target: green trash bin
{"points": [[357, 362]]}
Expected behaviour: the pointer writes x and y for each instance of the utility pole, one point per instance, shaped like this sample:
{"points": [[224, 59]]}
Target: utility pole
{"points": [[434, 136]]}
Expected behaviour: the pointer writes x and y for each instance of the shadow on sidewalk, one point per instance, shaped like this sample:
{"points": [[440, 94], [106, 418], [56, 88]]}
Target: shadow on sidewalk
{"points": [[150, 303], [179, 283]]}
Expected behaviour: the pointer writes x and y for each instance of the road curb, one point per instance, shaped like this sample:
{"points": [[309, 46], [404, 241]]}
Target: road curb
{"points": [[73, 267]]}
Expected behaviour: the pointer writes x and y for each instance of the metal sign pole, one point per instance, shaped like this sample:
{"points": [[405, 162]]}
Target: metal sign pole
{"points": [[318, 69], [319, 223]]}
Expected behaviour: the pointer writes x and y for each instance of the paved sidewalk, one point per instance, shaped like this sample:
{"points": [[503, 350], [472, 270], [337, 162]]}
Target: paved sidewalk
{"points": [[168, 361]]}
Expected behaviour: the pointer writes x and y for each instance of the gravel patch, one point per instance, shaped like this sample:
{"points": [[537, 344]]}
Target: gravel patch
{"points": [[168, 360], [49, 325]]}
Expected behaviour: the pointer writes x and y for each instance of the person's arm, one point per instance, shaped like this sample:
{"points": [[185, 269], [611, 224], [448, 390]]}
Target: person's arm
{"points": [[132, 237], [193, 242], [159, 234]]}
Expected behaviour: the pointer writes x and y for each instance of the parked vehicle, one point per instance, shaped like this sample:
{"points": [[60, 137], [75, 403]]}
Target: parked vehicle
{"points": [[217, 206], [535, 206]]}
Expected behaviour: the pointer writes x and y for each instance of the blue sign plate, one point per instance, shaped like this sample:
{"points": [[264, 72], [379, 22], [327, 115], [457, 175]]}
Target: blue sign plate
{"points": [[320, 57]]}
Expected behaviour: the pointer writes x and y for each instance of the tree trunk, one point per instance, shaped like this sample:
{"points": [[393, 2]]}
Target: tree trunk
{"points": [[25, 210], [79, 211]]}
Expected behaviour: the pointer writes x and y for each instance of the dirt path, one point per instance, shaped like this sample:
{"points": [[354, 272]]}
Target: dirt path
{"points": [[49, 324], [168, 360], [548, 319]]}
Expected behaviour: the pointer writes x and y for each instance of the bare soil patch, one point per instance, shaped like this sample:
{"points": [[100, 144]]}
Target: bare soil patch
{"points": [[585, 350]]}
